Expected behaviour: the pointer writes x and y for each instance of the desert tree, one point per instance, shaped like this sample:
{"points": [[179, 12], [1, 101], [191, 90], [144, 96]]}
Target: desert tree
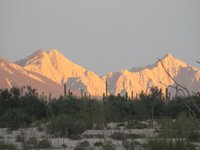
{"points": [[189, 100]]}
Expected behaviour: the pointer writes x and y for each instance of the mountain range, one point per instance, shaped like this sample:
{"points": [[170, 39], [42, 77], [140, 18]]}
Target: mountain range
{"points": [[49, 71]]}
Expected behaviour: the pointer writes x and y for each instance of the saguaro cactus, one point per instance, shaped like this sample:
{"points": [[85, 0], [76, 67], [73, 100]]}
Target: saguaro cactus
{"points": [[126, 95], [176, 91], [106, 88], [104, 96], [65, 91], [167, 94], [49, 96], [132, 95], [81, 93]]}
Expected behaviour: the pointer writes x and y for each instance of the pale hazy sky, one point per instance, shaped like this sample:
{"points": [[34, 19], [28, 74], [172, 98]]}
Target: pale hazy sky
{"points": [[103, 35]]}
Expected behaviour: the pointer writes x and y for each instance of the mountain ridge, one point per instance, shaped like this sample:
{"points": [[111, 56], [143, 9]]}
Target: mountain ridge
{"points": [[13, 75], [59, 69], [155, 75]]}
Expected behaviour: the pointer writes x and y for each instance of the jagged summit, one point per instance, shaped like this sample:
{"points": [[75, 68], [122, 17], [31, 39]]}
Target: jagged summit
{"points": [[58, 59], [53, 50], [169, 59], [54, 53], [37, 53], [30, 58], [41, 51], [2, 59], [168, 56]]}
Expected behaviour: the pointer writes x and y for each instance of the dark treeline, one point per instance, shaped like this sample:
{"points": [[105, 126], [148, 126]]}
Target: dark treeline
{"points": [[20, 107]]}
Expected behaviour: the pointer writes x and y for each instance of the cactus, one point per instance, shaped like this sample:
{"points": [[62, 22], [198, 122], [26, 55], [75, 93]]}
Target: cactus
{"points": [[49, 96], [104, 96], [65, 91], [106, 88], [166, 94], [119, 94], [176, 91], [126, 95], [42, 96], [160, 93], [70, 92], [132, 95], [81, 94]]}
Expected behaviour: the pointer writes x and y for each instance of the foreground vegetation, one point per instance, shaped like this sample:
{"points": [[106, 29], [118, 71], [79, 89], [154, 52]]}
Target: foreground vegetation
{"points": [[69, 117]]}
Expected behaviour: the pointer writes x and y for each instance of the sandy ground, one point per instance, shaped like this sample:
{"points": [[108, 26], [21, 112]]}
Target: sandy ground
{"points": [[92, 136]]}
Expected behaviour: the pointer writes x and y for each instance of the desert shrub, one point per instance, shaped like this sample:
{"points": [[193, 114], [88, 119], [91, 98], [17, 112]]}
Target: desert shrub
{"points": [[121, 125], [98, 126], [129, 145], [98, 144], [85, 145], [98, 136], [67, 126], [108, 146], [32, 141], [75, 136], [136, 125], [40, 129], [35, 107], [117, 109], [176, 107], [64, 146], [194, 136], [19, 108], [117, 136], [15, 118], [44, 143], [122, 136], [9, 131], [7, 146], [19, 138], [182, 127], [164, 144]]}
